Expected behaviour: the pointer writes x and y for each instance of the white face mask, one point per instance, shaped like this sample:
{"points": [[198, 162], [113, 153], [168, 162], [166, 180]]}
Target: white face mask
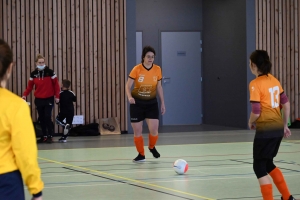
{"points": [[41, 67]]}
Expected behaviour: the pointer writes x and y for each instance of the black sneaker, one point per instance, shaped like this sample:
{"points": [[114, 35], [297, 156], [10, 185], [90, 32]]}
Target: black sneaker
{"points": [[290, 198], [62, 139], [42, 139], [49, 139], [66, 129], [139, 158], [154, 152]]}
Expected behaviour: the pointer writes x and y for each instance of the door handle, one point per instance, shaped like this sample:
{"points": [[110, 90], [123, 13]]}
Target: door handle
{"points": [[166, 79]]}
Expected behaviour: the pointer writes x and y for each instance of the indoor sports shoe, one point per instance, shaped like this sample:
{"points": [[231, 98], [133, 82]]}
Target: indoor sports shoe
{"points": [[49, 139], [139, 158], [60, 123], [42, 140], [291, 198], [62, 139], [66, 129], [154, 152]]}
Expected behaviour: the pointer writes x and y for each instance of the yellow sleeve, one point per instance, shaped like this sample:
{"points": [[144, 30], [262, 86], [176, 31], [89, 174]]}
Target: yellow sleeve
{"points": [[25, 149]]}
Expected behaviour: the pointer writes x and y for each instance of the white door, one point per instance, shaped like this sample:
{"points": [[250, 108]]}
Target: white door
{"points": [[181, 68]]}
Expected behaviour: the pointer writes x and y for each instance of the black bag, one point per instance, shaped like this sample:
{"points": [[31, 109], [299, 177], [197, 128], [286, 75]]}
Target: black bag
{"points": [[85, 130], [38, 128], [295, 124]]}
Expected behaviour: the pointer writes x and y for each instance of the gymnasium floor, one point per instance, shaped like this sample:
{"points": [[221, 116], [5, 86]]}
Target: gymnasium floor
{"points": [[220, 166]]}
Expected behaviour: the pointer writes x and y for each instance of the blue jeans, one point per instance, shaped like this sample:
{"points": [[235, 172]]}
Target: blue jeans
{"points": [[11, 186]]}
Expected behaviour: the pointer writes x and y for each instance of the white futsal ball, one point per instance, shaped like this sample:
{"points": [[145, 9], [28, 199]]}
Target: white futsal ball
{"points": [[180, 166]]}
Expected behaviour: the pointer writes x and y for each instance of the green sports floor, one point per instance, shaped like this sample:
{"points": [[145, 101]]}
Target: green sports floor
{"points": [[219, 158]]}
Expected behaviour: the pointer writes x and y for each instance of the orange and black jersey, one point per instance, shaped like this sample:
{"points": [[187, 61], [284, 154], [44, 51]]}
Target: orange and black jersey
{"points": [[266, 90], [145, 81]]}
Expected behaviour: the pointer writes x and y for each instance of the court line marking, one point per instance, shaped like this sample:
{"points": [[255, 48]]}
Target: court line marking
{"points": [[145, 146], [195, 178], [247, 176], [194, 169], [127, 179], [162, 181], [163, 170], [228, 143], [172, 157]]}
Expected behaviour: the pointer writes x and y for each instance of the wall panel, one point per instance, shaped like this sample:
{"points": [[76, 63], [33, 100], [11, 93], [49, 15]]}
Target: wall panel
{"points": [[83, 41], [278, 27]]}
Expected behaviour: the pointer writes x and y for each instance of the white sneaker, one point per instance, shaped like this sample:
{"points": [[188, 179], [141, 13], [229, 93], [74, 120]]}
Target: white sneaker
{"points": [[66, 129], [63, 140]]}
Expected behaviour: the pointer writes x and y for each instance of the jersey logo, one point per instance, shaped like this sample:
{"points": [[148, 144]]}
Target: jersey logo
{"points": [[145, 89], [154, 78]]}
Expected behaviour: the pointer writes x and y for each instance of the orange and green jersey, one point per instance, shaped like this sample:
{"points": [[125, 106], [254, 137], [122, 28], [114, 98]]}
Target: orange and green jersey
{"points": [[266, 90], [145, 81]]}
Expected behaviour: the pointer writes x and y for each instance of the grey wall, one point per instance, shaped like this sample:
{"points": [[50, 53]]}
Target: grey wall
{"points": [[228, 33], [251, 40], [155, 16], [131, 51], [225, 63]]}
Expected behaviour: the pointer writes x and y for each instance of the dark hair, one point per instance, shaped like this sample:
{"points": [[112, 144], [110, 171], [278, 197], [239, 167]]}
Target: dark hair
{"points": [[147, 49], [262, 61], [6, 58], [66, 83]]}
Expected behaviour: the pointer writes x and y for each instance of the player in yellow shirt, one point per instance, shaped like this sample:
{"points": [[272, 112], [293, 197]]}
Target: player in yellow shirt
{"points": [[18, 150], [266, 96], [143, 102]]}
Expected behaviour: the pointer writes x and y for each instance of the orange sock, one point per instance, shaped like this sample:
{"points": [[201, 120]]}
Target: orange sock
{"points": [[139, 144], [266, 191], [280, 183], [152, 140]]}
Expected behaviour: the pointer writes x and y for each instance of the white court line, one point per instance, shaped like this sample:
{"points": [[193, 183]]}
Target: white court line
{"points": [[167, 170], [155, 171], [68, 186], [100, 148], [166, 181], [58, 175]]}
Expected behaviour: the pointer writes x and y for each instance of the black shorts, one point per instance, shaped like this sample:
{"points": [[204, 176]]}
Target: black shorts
{"points": [[12, 186], [266, 148], [139, 112]]}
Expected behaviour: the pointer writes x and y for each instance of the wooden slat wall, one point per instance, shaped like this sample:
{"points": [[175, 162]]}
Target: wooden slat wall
{"points": [[277, 31], [82, 40]]}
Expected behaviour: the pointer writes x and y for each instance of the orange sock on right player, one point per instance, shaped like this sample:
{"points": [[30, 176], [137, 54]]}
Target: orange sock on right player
{"points": [[280, 183], [152, 141], [139, 144], [266, 191]]}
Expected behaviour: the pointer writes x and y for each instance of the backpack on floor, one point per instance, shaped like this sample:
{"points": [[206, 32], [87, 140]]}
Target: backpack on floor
{"points": [[85, 130]]}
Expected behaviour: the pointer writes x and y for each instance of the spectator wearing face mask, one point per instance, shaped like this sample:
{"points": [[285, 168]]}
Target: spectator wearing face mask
{"points": [[46, 85]]}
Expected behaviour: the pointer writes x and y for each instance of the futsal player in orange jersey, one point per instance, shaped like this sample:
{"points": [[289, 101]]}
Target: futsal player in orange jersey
{"points": [[266, 96], [143, 102]]}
